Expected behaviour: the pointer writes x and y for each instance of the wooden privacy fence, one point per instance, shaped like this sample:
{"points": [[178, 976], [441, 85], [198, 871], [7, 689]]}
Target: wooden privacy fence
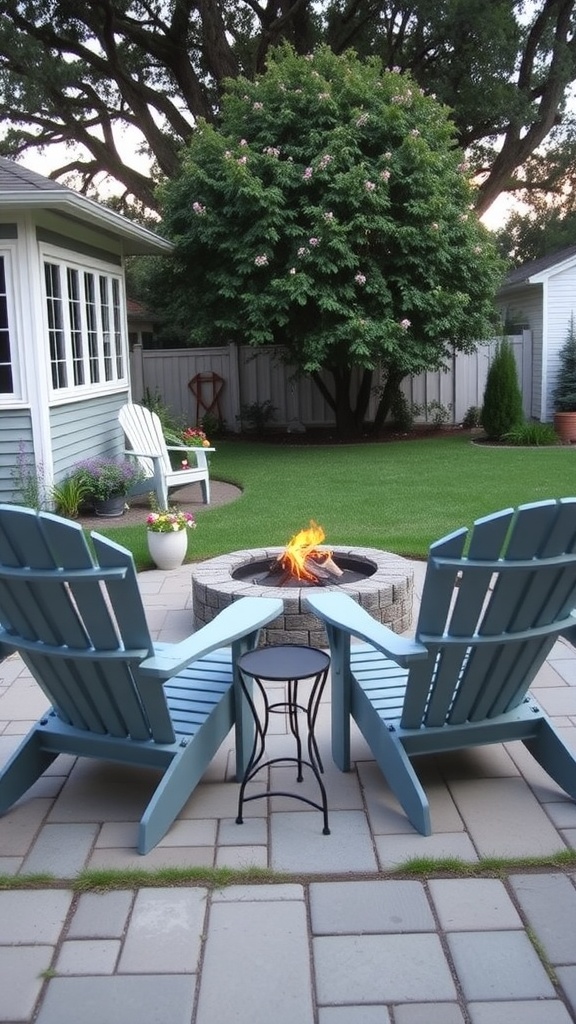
{"points": [[223, 380]]}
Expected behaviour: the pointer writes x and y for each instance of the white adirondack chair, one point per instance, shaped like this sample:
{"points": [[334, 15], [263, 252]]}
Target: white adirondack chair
{"points": [[143, 432]]}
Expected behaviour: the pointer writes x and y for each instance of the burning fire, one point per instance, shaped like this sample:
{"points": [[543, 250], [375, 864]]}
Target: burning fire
{"points": [[301, 557]]}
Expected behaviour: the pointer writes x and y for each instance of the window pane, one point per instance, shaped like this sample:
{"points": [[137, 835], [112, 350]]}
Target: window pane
{"points": [[6, 380], [106, 339], [91, 326], [116, 312], [55, 325], [74, 312]]}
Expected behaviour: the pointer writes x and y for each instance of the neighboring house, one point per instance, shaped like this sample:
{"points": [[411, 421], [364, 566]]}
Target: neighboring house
{"points": [[142, 324], [541, 296], [64, 366]]}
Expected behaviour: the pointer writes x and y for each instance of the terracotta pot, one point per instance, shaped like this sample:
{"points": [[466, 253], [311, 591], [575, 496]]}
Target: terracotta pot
{"points": [[565, 426], [168, 550]]}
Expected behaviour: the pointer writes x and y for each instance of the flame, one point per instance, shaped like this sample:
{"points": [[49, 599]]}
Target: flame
{"points": [[302, 546]]}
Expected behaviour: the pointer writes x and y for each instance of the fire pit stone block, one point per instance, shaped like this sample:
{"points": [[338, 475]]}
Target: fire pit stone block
{"points": [[386, 591]]}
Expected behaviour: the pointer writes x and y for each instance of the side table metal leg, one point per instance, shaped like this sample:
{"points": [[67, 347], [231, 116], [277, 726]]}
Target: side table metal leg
{"points": [[258, 747]]}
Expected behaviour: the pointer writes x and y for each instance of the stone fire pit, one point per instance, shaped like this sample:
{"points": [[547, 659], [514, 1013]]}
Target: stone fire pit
{"points": [[381, 582]]}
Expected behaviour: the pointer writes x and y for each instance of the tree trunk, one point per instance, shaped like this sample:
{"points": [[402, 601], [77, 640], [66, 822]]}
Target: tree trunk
{"points": [[350, 417], [394, 379]]}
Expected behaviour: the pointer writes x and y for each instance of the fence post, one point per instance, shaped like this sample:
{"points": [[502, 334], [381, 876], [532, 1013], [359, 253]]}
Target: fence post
{"points": [[235, 398], [137, 373]]}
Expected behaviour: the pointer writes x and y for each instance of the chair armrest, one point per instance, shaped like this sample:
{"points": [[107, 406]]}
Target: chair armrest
{"points": [[341, 611], [142, 455], [240, 618], [190, 448]]}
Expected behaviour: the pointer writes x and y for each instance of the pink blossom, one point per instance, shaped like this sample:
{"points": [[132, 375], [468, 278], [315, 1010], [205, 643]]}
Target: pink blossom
{"points": [[257, 106], [405, 324], [325, 160], [242, 160], [243, 142], [261, 261], [271, 151], [198, 208], [415, 133], [362, 120], [385, 175], [302, 251], [360, 278], [434, 226], [328, 215], [323, 95], [369, 186], [308, 174], [314, 241], [292, 270], [227, 154]]}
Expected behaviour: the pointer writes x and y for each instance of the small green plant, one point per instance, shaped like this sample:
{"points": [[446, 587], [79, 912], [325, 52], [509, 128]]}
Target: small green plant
{"points": [[211, 425], [29, 479], [502, 408], [154, 402], [472, 418], [536, 434], [257, 416], [401, 412], [435, 412], [69, 495]]}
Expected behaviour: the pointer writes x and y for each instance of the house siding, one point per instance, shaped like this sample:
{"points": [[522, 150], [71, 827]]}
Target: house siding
{"points": [[15, 438], [84, 429], [560, 303]]}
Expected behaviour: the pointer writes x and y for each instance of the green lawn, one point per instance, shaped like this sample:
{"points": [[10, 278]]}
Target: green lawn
{"points": [[398, 496]]}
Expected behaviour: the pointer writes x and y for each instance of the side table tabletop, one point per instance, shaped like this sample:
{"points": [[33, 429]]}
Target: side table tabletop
{"points": [[289, 663]]}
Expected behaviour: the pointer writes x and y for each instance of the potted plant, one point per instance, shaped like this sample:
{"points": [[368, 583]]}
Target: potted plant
{"points": [[167, 533], [108, 482], [564, 390]]}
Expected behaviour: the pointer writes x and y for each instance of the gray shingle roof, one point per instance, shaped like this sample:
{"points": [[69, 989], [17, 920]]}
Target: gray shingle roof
{"points": [[16, 178], [527, 270]]}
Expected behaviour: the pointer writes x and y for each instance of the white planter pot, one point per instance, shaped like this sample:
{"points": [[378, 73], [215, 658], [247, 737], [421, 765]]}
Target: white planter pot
{"points": [[168, 550]]}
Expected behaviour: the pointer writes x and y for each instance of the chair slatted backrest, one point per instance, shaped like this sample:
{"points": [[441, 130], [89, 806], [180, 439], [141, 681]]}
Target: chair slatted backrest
{"points": [[143, 430], [79, 625], [490, 615]]}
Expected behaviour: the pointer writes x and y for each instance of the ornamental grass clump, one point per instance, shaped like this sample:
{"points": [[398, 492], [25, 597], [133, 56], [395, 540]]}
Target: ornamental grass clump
{"points": [[170, 521]]}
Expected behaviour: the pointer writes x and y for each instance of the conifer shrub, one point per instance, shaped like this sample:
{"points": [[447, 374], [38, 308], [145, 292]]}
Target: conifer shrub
{"points": [[502, 407]]}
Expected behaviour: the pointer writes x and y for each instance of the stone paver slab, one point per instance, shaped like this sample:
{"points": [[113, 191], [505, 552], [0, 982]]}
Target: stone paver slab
{"points": [[353, 1015], [499, 965], [88, 956], [520, 1012], [21, 979], [567, 978], [264, 947], [396, 850], [61, 850], [298, 844], [428, 1013], [101, 915], [504, 819], [165, 931], [135, 999], [371, 906], [549, 902], [471, 904], [381, 968], [28, 916]]}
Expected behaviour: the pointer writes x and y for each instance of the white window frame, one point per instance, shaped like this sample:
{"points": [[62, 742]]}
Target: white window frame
{"points": [[7, 254], [84, 325]]}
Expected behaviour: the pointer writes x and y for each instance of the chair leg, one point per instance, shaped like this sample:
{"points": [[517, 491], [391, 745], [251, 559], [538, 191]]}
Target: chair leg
{"points": [[25, 766], [394, 764], [555, 756], [181, 777]]}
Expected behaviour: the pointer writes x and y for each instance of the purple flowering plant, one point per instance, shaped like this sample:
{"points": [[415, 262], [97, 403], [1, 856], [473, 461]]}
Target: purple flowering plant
{"points": [[106, 478]]}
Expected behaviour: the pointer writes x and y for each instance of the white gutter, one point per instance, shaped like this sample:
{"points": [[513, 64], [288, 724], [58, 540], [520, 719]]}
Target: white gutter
{"points": [[87, 210]]}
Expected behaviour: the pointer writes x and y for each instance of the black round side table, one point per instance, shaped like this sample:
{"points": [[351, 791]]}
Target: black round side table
{"points": [[290, 663]]}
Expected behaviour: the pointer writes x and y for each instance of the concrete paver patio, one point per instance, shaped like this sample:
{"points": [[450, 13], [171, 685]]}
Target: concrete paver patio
{"points": [[339, 941]]}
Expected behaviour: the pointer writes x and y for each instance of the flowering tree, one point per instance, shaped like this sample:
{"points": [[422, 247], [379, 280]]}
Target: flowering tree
{"points": [[328, 211]]}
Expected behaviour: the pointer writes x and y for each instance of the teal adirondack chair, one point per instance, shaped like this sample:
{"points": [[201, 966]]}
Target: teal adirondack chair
{"points": [[79, 625], [487, 621]]}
